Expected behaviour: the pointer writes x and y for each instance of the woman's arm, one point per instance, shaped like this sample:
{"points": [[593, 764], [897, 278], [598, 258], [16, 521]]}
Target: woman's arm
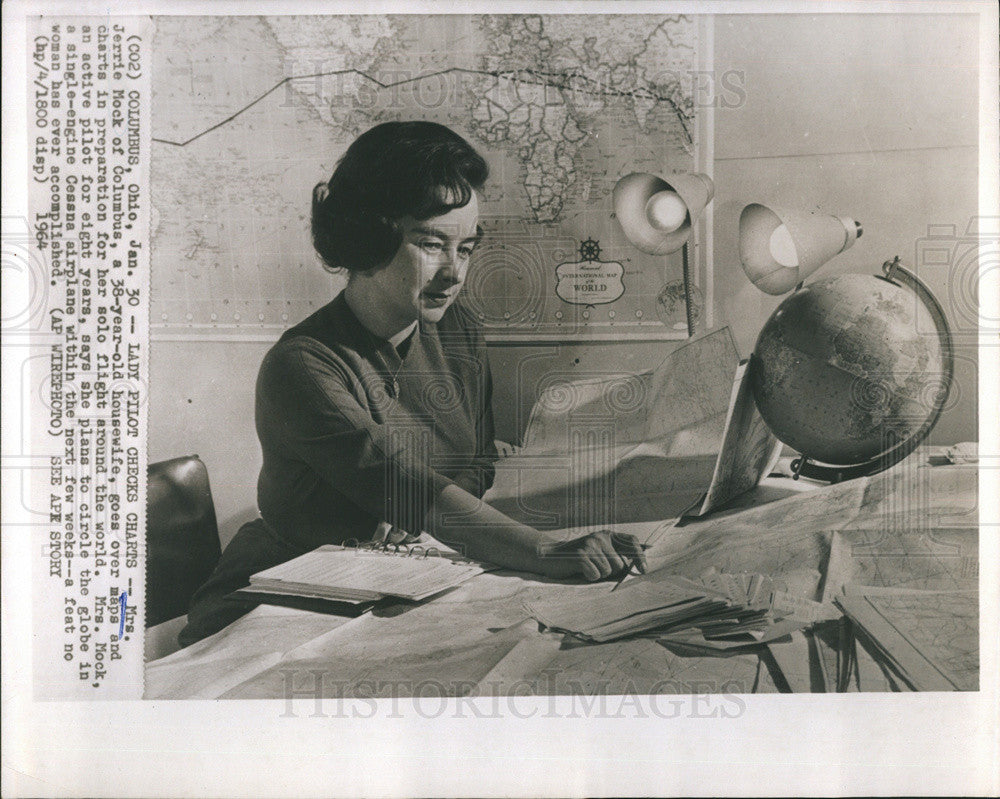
{"points": [[478, 476], [316, 416], [462, 520]]}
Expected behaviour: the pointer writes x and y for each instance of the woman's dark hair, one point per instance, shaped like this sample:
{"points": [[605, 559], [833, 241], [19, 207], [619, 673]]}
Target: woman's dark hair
{"points": [[396, 169]]}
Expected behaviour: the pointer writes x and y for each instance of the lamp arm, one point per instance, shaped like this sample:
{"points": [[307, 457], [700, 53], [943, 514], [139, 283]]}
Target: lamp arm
{"points": [[688, 304]]}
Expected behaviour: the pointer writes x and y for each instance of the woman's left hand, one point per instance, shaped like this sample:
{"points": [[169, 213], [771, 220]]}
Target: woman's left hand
{"points": [[505, 449], [385, 533]]}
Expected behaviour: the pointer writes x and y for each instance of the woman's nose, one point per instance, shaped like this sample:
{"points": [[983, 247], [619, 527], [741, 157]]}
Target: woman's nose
{"points": [[452, 266]]}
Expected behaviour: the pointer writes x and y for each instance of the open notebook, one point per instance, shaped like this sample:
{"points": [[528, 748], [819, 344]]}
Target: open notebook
{"points": [[354, 575]]}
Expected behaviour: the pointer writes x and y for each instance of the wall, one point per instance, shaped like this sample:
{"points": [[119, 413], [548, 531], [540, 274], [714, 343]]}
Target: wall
{"points": [[856, 115], [201, 401], [869, 116]]}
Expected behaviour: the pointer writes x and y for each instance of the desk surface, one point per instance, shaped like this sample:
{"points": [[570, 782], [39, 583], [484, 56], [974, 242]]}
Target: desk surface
{"points": [[914, 526]]}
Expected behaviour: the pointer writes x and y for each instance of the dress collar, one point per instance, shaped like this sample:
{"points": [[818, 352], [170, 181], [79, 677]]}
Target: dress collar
{"points": [[367, 342]]}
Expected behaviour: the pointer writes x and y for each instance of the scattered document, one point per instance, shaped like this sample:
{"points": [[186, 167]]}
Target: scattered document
{"points": [[711, 612], [623, 448], [681, 405], [640, 606], [748, 450], [925, 640]]}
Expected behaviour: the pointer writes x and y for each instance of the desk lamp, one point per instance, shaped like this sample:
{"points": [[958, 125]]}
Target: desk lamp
{"points": [[780, 248], [658, 214], [850, 371]]}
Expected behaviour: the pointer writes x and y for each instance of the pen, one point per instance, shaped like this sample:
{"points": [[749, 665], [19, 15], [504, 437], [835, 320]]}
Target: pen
{"points": [[633, 564]]}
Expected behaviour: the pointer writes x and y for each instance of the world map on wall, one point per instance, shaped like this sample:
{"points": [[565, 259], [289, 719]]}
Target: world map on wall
{"points": [[249, 113]]}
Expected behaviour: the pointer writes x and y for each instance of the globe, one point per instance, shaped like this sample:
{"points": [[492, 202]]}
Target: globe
{"points": [[848, 368]]}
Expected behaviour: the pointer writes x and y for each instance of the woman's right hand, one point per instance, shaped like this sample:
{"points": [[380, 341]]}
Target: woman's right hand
{"points": [[482, 532], [594, 556]]}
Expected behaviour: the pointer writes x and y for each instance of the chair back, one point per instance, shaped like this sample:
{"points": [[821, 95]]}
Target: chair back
{"points": [[182, 536]]}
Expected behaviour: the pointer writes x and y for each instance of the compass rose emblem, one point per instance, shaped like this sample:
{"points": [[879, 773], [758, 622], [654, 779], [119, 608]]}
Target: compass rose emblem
{"points": [[590, 250]]}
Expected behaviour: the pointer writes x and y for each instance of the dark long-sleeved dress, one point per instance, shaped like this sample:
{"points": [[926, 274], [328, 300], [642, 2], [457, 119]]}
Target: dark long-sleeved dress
{"points": [[354, 432]]}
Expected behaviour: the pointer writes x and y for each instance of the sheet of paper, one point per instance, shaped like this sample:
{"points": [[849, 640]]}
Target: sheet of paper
{"points": [[624, 448], [868, 675], [689, 394], [792, 658], [618, 402], [928, 559], [748, 452], [248, 646], [596, 484], [929, 638], [720, 605], [681, 404], [946, 496]]}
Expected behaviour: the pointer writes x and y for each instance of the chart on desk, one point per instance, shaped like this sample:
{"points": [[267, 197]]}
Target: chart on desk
{"points": [[249, 113]]}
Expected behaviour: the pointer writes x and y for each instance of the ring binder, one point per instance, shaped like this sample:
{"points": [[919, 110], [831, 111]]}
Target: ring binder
{"points": [[403, 550], [365, 571]]}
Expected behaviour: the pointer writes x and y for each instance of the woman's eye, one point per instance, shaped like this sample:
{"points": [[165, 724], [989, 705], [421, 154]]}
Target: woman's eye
{"points": [[465, 252], [432, 246]]}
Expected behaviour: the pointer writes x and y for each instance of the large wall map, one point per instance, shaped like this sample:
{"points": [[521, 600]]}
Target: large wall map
{"points": [[251, 112]]}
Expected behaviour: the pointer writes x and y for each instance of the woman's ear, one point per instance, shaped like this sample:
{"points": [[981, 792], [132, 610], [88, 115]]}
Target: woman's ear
{"points": [[320, 192]]}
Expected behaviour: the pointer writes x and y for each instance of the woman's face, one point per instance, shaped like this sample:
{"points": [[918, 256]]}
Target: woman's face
{"points": [[427, 272]]}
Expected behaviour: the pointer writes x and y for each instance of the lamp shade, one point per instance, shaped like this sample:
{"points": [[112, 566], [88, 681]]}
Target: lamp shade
{"points": [[657, 214], [781, 248]]}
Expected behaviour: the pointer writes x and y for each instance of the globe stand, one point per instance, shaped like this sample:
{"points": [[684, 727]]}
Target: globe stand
{"points": [[893, 272]]}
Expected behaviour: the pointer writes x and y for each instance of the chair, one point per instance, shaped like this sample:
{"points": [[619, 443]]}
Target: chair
{"points": [[182, 546]]}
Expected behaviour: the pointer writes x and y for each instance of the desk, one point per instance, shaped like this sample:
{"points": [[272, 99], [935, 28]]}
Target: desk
{"points": [[915, 525]]}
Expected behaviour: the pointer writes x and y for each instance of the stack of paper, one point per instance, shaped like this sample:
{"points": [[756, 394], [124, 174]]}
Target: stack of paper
{"points": [[716, 608], [749, 596], [640, 606], [763, 611], [922, 640], [356, 576]]}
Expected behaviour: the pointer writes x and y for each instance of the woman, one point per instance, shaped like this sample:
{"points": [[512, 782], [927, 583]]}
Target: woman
{"points": [[375, 410]]}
